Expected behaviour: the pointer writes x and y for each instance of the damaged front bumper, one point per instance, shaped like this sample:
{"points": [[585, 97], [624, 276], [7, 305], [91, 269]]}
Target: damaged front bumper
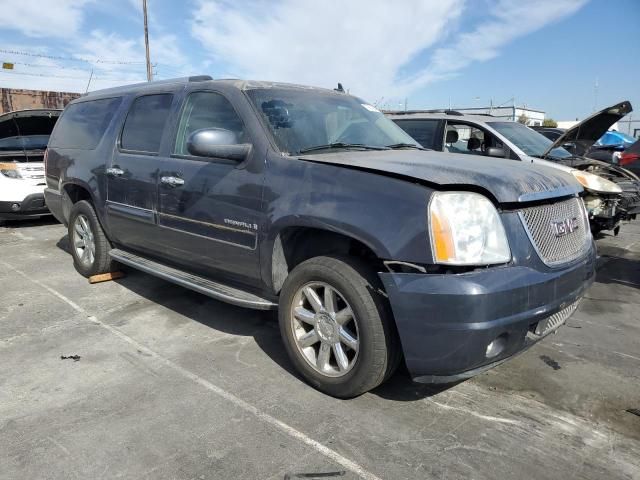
{"points": [[454, 326]]}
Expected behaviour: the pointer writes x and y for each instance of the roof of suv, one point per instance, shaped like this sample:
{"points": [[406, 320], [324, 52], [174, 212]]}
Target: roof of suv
{"points": [[238, 83], [442, 115]]}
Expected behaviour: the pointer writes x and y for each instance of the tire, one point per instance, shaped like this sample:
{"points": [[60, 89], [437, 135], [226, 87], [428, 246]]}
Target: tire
{"points": [[355, 286], [84, 228]]}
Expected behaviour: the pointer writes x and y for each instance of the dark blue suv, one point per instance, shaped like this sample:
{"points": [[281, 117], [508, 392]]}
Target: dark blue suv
{"points": [[310, 201]]}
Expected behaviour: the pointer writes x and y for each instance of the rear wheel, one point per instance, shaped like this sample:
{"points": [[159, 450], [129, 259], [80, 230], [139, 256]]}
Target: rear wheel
{"points": [[88, 243], [337, 327]]}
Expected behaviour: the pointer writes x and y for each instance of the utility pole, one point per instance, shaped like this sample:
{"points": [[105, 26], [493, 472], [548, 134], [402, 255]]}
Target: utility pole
{"points": [[89, 82], [146, 41]]}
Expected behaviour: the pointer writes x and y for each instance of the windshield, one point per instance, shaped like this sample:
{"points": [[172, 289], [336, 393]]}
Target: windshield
{"points": [[529, 141], [31, 142], [303, 119]]}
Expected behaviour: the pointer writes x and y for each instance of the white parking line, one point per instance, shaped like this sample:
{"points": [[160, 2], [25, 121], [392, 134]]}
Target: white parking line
{"points": [[265, 417]]}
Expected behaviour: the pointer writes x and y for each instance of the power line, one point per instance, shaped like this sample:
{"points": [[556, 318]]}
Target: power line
{"points": [[73, 59], [66, 76]]}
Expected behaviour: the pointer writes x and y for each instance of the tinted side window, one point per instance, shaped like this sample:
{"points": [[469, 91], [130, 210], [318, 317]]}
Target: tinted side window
{"points": [[82, 125], [145, 123], [207, 110], [424, 131]]}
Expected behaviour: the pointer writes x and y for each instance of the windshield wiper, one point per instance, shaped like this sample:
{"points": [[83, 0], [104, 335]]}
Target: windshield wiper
{"points": [[341, 145], [396, 146]]}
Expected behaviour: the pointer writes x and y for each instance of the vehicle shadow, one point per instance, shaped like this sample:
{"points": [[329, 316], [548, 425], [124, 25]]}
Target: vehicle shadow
{"points": [[619, 270], [261, 325], [29, 223]]}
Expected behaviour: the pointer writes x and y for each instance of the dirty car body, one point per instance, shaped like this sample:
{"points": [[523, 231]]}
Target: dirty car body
{"points": [[325, 174], [23, 140]]}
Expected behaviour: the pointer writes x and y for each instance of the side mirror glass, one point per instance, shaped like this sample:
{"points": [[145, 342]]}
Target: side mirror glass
{"points": [[217, 143], [495, 152]]}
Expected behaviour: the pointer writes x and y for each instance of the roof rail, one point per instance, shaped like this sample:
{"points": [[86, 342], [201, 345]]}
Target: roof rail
{"points": [[142, 85], [409, 112]]}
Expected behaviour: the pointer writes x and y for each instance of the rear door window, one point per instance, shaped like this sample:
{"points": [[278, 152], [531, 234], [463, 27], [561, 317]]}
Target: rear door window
{"points": [[426, 132], [144, 126], [82, 125]]}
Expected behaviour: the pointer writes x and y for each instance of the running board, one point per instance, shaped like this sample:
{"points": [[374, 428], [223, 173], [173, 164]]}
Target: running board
{"points": [[202, 285]]}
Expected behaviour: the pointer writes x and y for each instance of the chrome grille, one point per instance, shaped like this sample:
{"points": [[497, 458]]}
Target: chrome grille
{"points": [[554, 240], [552, 323]]}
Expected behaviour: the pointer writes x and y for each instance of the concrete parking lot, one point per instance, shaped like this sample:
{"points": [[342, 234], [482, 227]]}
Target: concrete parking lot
{"points": [[172, 384]]}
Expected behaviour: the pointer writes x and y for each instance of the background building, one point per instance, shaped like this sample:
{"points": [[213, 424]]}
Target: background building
{"points": [[19, 99], [511, 112]]}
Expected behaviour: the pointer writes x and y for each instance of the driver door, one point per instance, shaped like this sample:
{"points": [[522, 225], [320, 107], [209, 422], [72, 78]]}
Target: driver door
{"points": [[209, 209]]}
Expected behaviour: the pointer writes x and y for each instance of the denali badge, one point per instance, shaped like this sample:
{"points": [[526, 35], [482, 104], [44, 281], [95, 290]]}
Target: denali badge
{"points": [[563, 227]]}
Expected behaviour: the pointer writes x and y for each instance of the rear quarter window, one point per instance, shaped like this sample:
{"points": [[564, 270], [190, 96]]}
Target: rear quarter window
{"points": [[425, 132], [82, 125]]}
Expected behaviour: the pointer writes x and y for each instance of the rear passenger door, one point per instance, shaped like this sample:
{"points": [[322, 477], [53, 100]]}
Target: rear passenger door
{"points": [[210, 209], [133, 173]]}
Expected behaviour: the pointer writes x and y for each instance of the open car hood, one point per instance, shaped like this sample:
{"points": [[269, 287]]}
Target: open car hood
{"points": [[507, 181], [28, 122], [588, 131]]}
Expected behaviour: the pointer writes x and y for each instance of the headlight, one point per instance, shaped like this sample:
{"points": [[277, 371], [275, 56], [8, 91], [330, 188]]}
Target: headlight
{"points": [[595, 183], [466, 230], [9, 170]]}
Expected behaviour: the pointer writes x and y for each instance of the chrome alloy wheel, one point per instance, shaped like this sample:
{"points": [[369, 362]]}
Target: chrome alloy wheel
{"points": [[83, 241], [325, 329]]}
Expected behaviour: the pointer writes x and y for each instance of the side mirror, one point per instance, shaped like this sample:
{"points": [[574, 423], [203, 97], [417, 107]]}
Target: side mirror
{"points": [[570, 146], [495, 152], [217, 143]]}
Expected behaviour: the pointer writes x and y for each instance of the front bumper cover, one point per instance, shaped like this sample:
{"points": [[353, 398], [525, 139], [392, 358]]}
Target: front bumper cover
{"points": [[446, 322], [31, 206]]}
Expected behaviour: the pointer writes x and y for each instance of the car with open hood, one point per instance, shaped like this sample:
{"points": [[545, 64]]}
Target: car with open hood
{"points": [[612, 194], [312, 202], [23, 141]]}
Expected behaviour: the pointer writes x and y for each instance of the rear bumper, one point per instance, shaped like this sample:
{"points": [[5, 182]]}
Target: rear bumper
{"points": [[446, 322], [53, 199], [30, 206]]}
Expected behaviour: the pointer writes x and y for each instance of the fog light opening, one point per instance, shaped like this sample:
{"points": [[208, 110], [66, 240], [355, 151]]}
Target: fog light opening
{"points": [[15, 207], [497, 346]]}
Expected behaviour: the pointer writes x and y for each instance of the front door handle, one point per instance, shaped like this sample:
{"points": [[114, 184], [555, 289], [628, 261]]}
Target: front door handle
{"points": [[115, 172], [172, 181]]}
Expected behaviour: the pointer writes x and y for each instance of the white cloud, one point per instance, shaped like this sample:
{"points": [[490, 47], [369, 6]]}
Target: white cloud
{"points": [[509, 19], [362, 43], [38, 18]]}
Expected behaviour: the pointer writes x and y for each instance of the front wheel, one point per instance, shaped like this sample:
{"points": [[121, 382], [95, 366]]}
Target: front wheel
{"points": [[87, 241], [337, 327]]}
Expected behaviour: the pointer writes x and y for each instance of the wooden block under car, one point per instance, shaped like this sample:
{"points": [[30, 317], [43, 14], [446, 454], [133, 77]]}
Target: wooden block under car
{"points": [[105, 277]]}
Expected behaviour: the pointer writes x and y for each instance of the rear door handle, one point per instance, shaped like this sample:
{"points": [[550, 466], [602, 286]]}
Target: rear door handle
{"points": [[172, 181], [115, 172]]}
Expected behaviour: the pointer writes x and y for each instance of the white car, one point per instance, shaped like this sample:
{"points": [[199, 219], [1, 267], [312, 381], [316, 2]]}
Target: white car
{"points": [[23, 141]]}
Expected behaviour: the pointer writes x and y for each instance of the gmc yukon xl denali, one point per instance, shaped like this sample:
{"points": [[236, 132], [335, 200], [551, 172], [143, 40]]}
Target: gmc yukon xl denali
{"points": [[310, 201]]}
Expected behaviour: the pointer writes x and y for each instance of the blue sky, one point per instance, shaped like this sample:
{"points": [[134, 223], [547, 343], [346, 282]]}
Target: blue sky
{"points": [[545, 53]]}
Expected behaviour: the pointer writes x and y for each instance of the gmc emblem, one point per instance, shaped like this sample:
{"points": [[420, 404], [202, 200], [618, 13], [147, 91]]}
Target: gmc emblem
{"points": [[564, 227]]}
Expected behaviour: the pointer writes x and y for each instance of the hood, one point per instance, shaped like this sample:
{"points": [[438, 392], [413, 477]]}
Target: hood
{"points": [[588, 131], [28, 122], [507, 180]]}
